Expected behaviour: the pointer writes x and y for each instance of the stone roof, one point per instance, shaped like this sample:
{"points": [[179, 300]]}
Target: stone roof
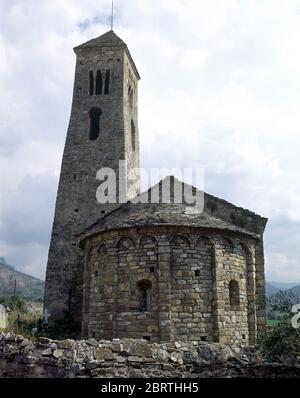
{"points": [[108, 39], [166, 214]]}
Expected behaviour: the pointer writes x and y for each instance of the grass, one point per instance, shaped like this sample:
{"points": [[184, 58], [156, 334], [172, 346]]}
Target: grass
{"points": [[273, 322]]}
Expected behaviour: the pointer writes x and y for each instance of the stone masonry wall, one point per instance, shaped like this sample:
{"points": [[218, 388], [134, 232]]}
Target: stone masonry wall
{"points": [[232, 266], [189, 272], [128, 358], [76, 205]]}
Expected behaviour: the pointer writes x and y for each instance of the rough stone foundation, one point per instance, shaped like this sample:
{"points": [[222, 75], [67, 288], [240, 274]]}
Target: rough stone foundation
{"points": [[128, 358]]}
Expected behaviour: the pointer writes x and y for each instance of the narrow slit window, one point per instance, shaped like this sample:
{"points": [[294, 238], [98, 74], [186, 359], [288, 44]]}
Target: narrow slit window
{"points": [[144, 290], [130, 97], [91, 85], [95, 114], [99, 83], [133, 136], [234, 295], [107, 82]]}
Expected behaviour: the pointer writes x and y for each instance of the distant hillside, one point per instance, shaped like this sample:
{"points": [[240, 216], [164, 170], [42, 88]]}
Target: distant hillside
{"points": [[296, 290], [270, 289], [28, 287], [284, 285]]}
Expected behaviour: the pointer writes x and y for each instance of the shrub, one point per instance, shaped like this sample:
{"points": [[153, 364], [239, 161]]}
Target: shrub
{"points": [[61, 328], [281, 339], [14, 303]]}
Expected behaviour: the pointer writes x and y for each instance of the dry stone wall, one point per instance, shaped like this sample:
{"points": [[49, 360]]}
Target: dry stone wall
{"points": [[128, 358]]}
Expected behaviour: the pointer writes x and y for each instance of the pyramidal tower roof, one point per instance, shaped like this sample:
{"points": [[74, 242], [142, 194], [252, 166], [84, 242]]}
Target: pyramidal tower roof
{"points": [[108, 39]]}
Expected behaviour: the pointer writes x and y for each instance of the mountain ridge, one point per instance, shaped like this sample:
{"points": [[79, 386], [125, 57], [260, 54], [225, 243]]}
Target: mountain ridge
{"points": [[28, 287]]}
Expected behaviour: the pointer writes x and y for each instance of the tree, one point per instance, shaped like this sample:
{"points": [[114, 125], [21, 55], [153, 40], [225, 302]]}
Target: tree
{"points": [[283, 301], [282, 338]]}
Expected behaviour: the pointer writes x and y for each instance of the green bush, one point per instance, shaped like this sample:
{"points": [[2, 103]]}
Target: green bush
{"points": [[14, 303], [61, 328], [21, 321], [281, 339]]}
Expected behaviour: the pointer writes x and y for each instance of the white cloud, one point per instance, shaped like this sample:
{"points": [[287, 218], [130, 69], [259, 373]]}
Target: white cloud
{"points": [[220, 89], [277, 262], [29, 258]]}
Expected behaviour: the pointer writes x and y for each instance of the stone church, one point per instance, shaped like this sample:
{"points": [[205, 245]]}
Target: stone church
{"points": [[143, 270]]}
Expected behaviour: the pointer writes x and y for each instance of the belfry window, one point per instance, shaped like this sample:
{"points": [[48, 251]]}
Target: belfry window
{"points": [[91, 83], [234, 295], [107, 82], [144, 295], [95, 114], [99, 83], [133, 135]]}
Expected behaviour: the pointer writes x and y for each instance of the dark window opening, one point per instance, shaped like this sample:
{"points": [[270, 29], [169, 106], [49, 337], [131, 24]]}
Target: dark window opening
{"points": [[107, 82], [75, 177], [243, 336], [94, 334], [96, 273], [102, 211], [203, 338], [234, 295], [144, 290], [147, 338], [133, 136], [99, 83], [152, 270], [91, 86], [197, 273], [76, 210], [70, 299], [95, 114], [130, 96], [102, 249]]}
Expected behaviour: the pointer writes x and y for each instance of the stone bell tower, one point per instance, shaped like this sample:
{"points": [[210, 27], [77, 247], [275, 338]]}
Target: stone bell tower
{"points": [[103, 130]]}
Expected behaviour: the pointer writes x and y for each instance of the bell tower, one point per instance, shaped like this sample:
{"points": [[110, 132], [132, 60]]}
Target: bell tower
{"points": [[103, 131]]}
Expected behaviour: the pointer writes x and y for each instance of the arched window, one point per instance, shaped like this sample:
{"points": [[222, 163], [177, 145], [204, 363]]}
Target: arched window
{"points": [[133, 136], [234, 295], [99, 83], [107, 82], [91, 85], [144, 295], [95, 114]]}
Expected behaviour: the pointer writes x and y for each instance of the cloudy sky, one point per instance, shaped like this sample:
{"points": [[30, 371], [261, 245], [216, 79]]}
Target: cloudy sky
{"points": [[220, 89]]}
